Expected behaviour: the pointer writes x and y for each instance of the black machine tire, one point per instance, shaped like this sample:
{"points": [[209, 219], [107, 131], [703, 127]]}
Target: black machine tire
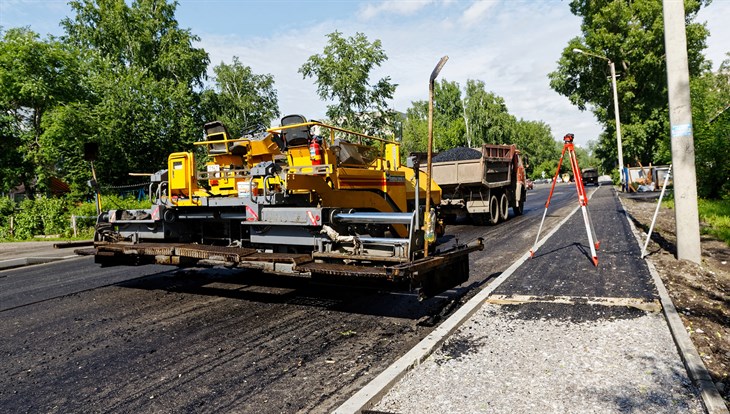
{"points": [[503, 207], [493, 210], [520, 205]]}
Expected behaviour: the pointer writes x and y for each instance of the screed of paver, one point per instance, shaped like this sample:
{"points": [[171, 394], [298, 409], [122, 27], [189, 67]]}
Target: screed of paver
{"points": [[498, 362]]}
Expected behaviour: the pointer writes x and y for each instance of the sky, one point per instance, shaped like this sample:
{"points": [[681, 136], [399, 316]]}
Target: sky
{"points": [[511, 45]]}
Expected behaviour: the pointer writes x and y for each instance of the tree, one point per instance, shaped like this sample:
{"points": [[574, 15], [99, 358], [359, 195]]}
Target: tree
{"points": [[631, 34], [415, 128], [142, 71], [487, 117], [144, 34], [711, 118], [342, 73], [241, 98], [449, 129], [35, 77], [480, 117], [535, 140], [448, 122]]}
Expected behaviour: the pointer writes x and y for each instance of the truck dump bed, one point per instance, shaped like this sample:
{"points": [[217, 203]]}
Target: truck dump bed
{"points": [[491, 169]]}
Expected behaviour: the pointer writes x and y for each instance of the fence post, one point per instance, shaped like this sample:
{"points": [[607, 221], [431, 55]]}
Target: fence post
{"points": [[73, 224]]}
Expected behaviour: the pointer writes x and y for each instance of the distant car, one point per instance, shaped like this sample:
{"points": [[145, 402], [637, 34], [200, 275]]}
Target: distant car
{"points": [[590, 176], [529, 184]]}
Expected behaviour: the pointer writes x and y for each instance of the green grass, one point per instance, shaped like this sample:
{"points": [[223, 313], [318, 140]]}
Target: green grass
{"points": [[714, 217], [716, 214]]}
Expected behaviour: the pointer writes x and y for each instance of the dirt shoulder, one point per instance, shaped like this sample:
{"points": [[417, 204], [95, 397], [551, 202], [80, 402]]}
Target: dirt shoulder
{"points": [[701, 293]]}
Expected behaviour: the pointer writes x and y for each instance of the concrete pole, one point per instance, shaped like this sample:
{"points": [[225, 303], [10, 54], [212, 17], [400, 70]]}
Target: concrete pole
{"points": [[680, 118], [619, 145]]}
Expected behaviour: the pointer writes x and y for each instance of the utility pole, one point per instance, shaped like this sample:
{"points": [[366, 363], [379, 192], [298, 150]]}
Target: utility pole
{"points": [[680, 118]]}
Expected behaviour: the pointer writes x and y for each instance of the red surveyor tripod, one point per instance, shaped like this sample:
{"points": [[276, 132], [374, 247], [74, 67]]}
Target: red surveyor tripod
{"points": [[582, 199]]}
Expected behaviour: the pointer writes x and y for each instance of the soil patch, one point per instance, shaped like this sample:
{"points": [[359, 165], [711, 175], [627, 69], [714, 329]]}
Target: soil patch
{"points": [[701, 293]]}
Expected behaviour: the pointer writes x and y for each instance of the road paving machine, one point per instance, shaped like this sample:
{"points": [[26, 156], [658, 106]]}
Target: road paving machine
{"points": [[303, 199]]}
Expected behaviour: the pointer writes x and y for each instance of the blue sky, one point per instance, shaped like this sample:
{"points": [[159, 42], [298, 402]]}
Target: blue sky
{"points": [[510, 45]]}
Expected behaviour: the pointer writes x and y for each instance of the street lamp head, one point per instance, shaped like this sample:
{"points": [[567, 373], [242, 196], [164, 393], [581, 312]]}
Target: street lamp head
{"points": [[576, 50], [438, 68]]}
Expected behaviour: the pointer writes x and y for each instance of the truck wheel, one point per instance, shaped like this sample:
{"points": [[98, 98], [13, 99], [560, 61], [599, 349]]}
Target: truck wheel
{"points": [[493, 210], [503, 207], [520, 205]]}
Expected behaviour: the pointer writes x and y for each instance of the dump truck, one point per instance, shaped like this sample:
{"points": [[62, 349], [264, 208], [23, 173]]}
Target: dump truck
{"points": [[590, 175], [303, 199], [483, 183]]}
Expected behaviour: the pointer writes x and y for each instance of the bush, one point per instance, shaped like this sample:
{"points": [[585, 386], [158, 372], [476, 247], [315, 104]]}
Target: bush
{"points": [[7, 210], [48, 216], [42, 216]]}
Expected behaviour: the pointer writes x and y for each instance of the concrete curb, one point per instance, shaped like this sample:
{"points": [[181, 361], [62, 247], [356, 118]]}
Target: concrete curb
{"points": [[371, 393], [711, 398], [27, 261]]}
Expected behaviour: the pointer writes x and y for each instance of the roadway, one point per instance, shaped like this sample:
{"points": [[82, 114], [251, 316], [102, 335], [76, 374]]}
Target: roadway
{"points": [[77, 337]]}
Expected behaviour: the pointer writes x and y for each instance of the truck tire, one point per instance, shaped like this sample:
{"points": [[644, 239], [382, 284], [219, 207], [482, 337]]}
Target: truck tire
{"points": [[493, 210], [520, 205], [503, 207]]}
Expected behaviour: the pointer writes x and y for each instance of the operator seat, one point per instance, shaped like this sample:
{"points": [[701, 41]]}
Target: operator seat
{"points": [[216, 131], [295, 137]]}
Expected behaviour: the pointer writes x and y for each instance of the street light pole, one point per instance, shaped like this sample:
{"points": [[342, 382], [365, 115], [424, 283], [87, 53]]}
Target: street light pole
{"points": [[619, 145]]}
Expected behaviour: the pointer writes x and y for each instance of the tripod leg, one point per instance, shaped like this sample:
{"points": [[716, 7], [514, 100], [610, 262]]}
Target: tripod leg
{"points": [[547, 203], [586, 220], [539, 230], [593, 231]]}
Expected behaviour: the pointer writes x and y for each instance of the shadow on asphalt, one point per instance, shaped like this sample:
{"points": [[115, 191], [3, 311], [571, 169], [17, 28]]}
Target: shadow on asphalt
{"points": [[254, 286]]}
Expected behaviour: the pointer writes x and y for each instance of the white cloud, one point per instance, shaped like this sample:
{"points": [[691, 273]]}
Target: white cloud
{"points": [[512, 65], [398, 7], [477, 12]]}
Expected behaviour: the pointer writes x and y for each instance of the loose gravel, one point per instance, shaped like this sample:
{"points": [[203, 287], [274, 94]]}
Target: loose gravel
{"points": [[458, 154], [498, 362]]}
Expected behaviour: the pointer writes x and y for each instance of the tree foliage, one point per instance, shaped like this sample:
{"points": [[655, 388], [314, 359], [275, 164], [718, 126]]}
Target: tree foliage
{"points": [[479, 117], [342, 74], [711, 117], [35, 77], [630, 34], [241, 98], [142, 72]]}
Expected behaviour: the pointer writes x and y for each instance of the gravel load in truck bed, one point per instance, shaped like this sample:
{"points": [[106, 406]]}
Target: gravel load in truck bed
{"points": [[458, 154]]}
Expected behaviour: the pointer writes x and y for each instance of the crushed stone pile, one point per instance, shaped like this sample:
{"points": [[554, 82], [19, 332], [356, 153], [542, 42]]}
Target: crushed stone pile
{"points": [[458, 154]]}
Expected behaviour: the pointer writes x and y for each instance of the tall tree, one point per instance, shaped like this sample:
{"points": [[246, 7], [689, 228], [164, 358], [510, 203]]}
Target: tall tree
{"points": [[448, 122], [342, 73], [242, 99], [449, 129], [35, 76], [631, 34], [487, 117], [145, 75]]}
